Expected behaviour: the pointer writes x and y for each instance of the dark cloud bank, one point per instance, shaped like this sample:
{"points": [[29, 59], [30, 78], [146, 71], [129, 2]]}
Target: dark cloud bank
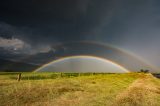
{"points": [[38, 24]]}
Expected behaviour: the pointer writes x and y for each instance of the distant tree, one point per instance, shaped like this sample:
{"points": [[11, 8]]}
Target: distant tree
{"points": [[144, 71]]}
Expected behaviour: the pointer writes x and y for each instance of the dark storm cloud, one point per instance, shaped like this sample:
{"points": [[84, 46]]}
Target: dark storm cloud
{"points": [[130, 24], [57, 19], [74, 19]]}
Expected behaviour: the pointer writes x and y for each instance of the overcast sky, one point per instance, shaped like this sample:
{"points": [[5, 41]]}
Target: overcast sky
{"points": [[33, 26]]}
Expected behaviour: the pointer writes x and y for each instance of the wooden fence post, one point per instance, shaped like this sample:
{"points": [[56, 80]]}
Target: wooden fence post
{"points": [[19, 77], [61, 75]]}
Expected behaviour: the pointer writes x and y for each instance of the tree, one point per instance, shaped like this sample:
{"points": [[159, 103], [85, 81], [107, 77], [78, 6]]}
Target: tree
{"points": [[144, 71]]}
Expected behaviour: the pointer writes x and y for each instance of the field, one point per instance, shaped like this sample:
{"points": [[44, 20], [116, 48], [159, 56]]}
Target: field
{"points": [[84, 89]]}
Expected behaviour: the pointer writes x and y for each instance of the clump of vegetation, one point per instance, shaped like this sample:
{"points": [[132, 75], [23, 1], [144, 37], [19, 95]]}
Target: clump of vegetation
{"points": [[144, 71]]}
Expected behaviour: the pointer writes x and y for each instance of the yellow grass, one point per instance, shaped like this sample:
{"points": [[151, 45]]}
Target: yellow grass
{"points": [[142, 92], [132, 89]]}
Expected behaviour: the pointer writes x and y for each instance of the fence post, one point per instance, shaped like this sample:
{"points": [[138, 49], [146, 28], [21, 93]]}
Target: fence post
{"points": [[61, 75], [19, 77]]}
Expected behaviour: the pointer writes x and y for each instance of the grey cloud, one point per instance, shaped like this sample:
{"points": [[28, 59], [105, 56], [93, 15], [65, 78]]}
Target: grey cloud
{"points": [[12, 43], [18, 46]]}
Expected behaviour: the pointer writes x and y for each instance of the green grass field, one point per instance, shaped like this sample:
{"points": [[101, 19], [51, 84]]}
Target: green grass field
{"points": [[85, 89]]}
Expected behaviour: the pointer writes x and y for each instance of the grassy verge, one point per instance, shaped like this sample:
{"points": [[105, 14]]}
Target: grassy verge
{"points": [[142, 92]]}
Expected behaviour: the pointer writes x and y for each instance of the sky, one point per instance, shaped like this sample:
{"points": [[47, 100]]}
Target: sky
{"points": [[34, 26]]}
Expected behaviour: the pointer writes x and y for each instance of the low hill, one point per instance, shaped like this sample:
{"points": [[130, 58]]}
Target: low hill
{"points": [[12, 66]]}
